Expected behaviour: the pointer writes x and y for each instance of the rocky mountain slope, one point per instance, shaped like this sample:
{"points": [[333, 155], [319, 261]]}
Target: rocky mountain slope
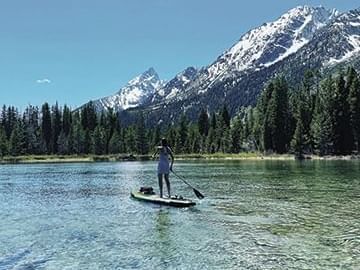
{"points": [[303, 38], [133, 94]]}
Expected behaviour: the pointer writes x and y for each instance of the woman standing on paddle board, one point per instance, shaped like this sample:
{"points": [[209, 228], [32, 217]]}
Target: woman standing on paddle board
{"points": [[164, 165]]}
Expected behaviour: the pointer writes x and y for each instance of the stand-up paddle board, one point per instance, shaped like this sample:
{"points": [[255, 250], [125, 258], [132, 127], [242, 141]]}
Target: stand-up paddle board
{"points": [[154, 198]]}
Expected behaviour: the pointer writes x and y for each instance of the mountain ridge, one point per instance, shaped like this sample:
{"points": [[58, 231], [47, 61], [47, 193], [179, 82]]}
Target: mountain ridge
{"points": [[302, 38], [133, 94]]}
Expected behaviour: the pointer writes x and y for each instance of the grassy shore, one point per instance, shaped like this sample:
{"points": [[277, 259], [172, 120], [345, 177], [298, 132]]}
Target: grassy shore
{"points": [[68, 158], [128, 157]]}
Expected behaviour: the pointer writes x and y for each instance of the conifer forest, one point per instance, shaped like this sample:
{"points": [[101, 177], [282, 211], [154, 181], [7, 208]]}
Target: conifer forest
{"points": [[320, 116]]}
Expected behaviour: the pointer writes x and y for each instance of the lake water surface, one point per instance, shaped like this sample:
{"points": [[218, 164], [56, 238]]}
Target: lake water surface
{"points": [[256, 215]]}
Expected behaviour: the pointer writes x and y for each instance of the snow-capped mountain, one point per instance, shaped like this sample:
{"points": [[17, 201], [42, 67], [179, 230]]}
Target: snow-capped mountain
{"points": [[336, 45], [133, 94], [347, 28], [175, 86], [301, 39], [274, 41], [261, 48], [269, 43]]}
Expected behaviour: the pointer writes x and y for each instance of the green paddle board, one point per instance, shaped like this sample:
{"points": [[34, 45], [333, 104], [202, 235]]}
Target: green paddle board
{"points": [[154, 198]]}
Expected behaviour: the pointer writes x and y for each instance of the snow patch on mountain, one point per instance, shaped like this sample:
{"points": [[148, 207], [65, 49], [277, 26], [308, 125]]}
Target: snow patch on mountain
{"points": [[354, 41], [271, 42], [133, 94], [176, 85], [348, 28]]}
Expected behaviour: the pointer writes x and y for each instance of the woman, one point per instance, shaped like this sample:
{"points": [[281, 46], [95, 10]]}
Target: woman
{"points": [[164, 167]]}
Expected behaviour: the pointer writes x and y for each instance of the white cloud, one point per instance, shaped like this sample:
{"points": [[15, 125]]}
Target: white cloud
{"points": [[42, 81]]}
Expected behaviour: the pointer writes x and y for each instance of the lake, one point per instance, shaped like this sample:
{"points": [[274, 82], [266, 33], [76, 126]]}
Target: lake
{"points": [[256, 215]]}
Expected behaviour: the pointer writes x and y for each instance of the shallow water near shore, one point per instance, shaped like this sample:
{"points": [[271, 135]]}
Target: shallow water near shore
{"points": [[256, 215]]}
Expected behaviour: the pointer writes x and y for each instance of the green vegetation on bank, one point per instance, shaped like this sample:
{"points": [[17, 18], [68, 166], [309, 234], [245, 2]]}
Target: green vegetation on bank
{"points": [[120, 157], [319, 117], [32, 159]]}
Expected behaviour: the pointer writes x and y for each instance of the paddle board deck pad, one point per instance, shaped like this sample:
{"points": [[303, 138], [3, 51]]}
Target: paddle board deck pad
{"points": [[154, 198]]}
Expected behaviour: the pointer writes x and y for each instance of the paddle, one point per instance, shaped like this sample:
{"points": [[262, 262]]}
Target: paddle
{"points": [[197, 193]]}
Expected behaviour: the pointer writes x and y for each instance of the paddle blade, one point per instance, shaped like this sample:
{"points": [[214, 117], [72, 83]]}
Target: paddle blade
{"points": [[198, 194]]}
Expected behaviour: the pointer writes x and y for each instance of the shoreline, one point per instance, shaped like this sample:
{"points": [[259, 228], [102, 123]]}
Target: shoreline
{"points": [[34, 159]]}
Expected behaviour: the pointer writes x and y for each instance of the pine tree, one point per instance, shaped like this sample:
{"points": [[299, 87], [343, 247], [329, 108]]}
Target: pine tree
{"points": [[56, 127], [130, 139], [142, 146], [343, 139], [225, 142], [194, 140], [110, 126], [301, 137], [210, 141], [171, 136], [116, 144], [88, 116], [236, 135], [225, 117], [3, 117], [118, 123], [87, 143], [46, 131], [249, 124], [222, 140], [71, 140], [11, 120], [33, 139], [84, 117], [213, 121], [354, 103], [203, 123], [63, 144], [3, 143], [67, 120], [91, 116], [123, 134], [322, 124], [77, 138], [262, 131], [277, 118], [305, 106], [98, 141], [298, 141], [32, 130], [17, 140], [182, 135], [156, 137]]}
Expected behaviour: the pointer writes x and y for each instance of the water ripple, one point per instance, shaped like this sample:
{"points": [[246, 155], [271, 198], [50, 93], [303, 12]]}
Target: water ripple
{"points": [[256, 215]]}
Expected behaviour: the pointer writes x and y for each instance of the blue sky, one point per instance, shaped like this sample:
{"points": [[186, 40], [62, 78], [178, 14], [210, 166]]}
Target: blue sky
{"points": [[73, 51]]}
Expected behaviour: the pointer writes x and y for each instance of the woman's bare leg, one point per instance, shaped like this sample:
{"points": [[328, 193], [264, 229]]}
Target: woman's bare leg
{"points": [[167, 183], [160, 184]]}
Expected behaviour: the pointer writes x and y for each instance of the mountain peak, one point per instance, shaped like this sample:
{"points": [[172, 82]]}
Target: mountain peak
{"points": [[271, 42], [150, 72], [176, 86], [134, 93], [148, 75], [319, 13]]}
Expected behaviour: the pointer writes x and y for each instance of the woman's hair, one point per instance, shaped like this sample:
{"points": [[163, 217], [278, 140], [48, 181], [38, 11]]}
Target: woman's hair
{"points": [[164, 142]]}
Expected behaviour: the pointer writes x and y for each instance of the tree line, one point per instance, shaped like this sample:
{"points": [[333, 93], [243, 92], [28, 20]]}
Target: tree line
{"points": [[319, 116]]}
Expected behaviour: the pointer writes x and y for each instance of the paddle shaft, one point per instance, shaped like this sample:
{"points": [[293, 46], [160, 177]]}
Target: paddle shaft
{"points": [[178, 176], [197, 193]]}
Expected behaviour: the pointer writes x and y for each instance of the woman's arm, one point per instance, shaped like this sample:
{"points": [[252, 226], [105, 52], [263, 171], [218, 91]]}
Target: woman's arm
{"points": [[156, 152]]}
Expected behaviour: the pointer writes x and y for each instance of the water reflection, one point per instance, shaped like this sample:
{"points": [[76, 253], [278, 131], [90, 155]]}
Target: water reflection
{"points": [[164, 245]]}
